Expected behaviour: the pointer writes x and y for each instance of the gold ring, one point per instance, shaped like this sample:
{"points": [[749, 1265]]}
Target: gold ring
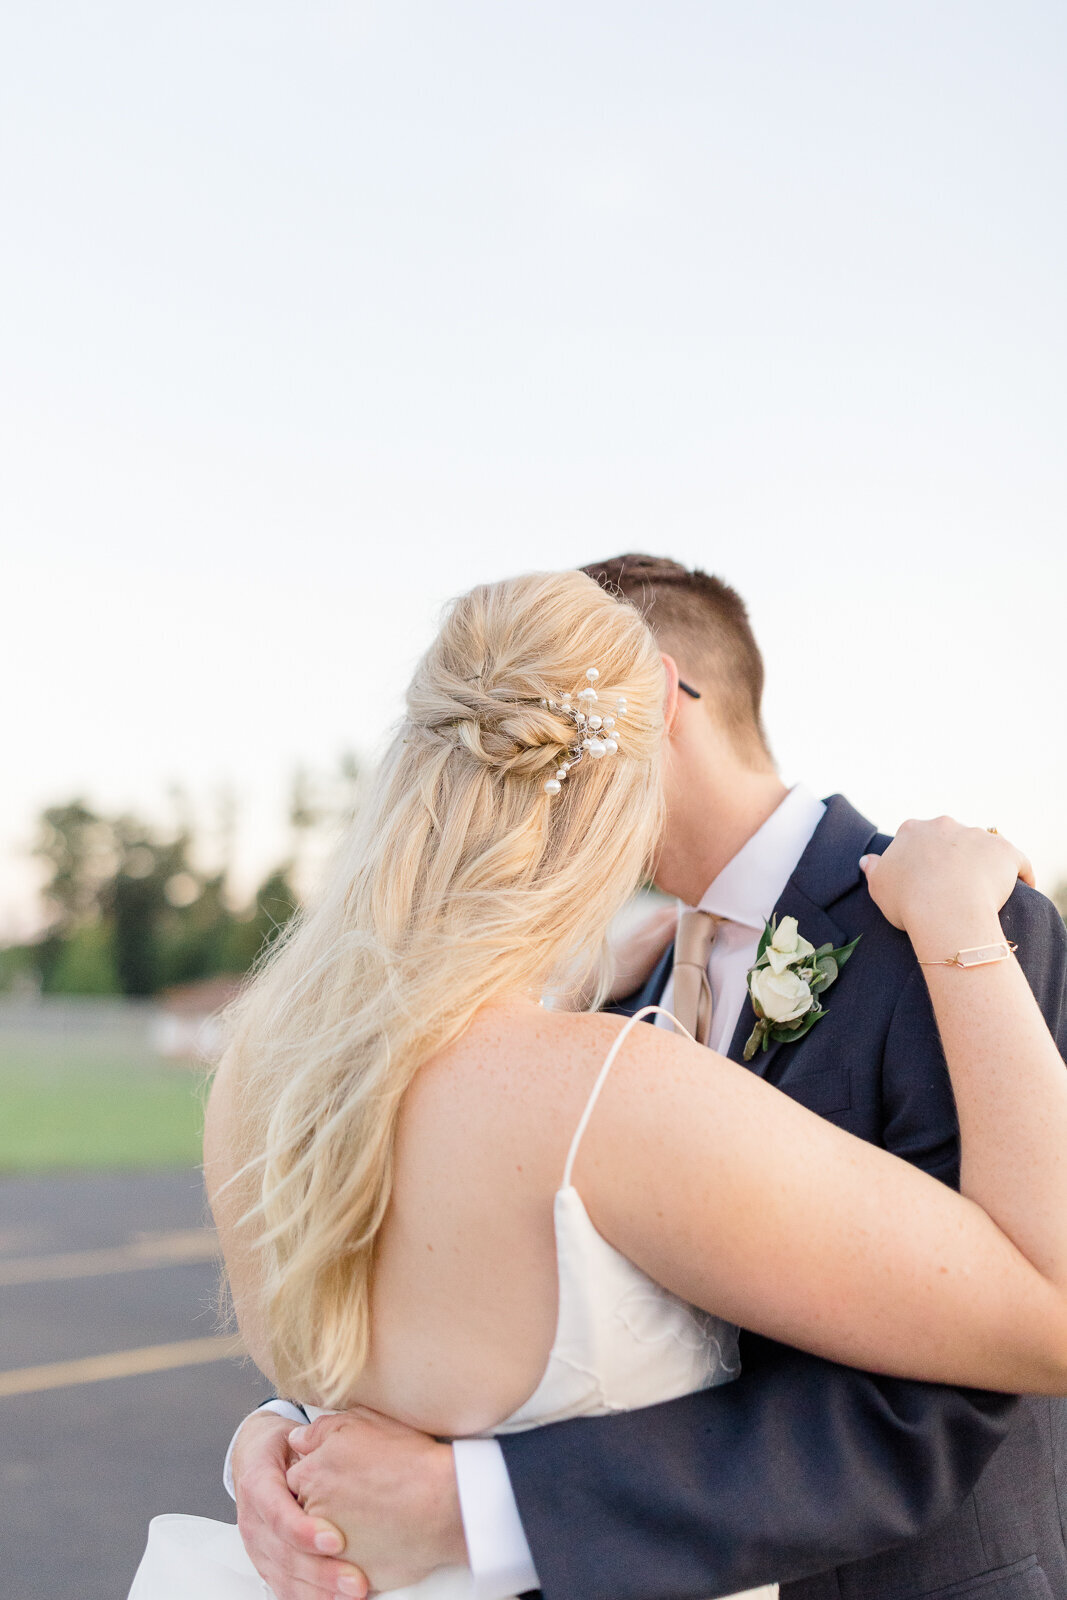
{"points": [[992, 830]]}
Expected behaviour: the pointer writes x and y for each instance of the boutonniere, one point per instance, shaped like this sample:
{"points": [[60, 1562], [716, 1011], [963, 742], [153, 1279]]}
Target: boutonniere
{"points": [[786, 982]]}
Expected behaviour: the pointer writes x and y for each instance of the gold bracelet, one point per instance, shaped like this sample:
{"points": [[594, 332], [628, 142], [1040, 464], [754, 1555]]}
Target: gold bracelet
{"points": [[980, 955]]}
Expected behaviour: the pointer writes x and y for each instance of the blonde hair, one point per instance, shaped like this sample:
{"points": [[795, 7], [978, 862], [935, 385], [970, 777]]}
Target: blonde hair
{"points": [[459, 881]]}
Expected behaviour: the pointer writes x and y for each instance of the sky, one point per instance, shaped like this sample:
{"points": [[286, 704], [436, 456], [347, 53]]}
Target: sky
{"points": [[316, 315]]}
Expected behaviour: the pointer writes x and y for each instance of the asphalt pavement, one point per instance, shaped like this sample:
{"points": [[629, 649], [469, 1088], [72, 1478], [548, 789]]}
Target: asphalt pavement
{"points": [[104, 1278]]}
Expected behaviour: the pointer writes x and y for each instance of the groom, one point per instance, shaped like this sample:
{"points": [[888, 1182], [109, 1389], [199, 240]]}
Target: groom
{"points": [[842, 1485]]}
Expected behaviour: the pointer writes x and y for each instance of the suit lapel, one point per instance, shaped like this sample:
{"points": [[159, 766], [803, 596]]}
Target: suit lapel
{"points": [[828, 869]]}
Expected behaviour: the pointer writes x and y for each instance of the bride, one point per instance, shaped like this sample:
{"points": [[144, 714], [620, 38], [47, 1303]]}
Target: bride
{"points": [[441, 1199]]}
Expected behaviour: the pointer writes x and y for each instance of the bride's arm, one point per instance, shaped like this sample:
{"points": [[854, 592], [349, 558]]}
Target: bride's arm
{"points": [[743, 1202]]}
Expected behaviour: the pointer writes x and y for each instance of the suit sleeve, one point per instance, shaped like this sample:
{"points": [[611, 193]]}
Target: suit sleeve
{"points": [[796, 1467], [800, 1465]]}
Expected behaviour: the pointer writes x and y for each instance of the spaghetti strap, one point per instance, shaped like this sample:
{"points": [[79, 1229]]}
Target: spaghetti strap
{"points": [[602, 1078]]}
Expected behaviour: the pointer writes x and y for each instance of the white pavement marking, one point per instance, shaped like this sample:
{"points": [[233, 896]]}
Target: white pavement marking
{"points": [[120, 1364], [162, 1250]]}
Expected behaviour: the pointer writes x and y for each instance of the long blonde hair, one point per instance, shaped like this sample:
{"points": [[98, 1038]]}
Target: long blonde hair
{"points": [[460, 880]]}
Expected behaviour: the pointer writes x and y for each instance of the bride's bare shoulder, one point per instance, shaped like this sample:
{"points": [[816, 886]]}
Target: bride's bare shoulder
{"points": [[527, 1052]]}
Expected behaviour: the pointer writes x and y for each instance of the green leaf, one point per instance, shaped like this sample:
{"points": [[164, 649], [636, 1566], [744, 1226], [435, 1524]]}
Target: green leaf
{"points": [[755, 1038], [791, 1035], [842, 955], [826, 949], [826, 974], [766, 936]]}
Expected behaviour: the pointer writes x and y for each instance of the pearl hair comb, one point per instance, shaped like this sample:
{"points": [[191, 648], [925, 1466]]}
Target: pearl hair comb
{"points": [[597, 735]]}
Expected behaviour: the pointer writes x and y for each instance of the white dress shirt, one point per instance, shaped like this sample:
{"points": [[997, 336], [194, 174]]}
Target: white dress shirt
{"points": [[743, 895]]}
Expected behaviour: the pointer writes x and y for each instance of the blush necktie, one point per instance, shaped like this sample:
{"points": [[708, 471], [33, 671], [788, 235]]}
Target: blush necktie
{"points": [[692, 991]]}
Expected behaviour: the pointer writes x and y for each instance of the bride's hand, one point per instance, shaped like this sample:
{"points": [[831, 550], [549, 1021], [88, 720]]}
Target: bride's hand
{"points": [[941, 869], [634, 957]]}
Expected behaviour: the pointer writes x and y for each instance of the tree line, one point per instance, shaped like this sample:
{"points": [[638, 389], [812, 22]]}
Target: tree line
{"points": [[130, 908]]}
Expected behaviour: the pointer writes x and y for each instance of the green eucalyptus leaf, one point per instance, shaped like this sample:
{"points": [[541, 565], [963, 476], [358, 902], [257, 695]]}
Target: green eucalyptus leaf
{"points": [[826, 949], [791, 1035], [842, 955]]}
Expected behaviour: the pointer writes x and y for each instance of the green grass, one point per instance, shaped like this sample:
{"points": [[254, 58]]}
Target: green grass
{"points": [[72, 1104]]}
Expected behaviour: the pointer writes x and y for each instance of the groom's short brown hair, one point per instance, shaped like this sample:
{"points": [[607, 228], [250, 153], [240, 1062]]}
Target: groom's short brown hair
{"points": [[703, 622]]}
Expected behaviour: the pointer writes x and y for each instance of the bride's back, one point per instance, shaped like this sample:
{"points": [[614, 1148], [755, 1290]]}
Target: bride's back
{"points": [[379, 1058], [465, 1290], [495, 1298]]}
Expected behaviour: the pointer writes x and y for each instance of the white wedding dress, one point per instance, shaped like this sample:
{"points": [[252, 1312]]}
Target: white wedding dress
{"points": [[621, 1342]]}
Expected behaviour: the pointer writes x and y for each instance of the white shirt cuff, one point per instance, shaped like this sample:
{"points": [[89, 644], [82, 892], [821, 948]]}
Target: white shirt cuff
{"points": [[282, 1408], [497, 1549]]}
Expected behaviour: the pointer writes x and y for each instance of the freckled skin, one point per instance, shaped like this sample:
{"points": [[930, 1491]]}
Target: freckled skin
{"points": [[679, 1152]]}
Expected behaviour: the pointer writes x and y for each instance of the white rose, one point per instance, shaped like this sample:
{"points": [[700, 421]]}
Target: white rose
{"points": [[787, 946], [782, 996]]}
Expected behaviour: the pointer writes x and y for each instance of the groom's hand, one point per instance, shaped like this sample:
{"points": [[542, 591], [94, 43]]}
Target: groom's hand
{"points": [[285, 1545], [392, 1492]]}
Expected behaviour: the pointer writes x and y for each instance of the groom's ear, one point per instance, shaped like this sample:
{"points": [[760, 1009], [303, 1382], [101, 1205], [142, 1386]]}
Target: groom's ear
{"points": [[670, 704]]}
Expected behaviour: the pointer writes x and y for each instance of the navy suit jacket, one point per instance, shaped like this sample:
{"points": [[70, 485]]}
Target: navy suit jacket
{"points": [[838, 1484]]}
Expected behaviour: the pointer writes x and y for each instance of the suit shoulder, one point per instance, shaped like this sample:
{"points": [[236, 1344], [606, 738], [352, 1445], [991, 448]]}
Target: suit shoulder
{"points": [[1028, 914], [1031, 922], [1030, 910]]}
